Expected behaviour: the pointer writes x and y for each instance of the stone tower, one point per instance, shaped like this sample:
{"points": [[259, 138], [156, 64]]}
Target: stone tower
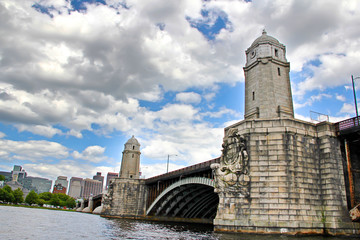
{"points": [[278, 174], [127, 194], [130, 164], [267, 82]]}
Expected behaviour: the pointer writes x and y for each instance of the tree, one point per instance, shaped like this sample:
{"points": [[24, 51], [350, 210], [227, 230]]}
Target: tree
{"points": [[7, 194], [46, 196], [18, 195], [70, 202], [55, 200], [32, 197], [7, 188], [41, 202], [2, 178]]}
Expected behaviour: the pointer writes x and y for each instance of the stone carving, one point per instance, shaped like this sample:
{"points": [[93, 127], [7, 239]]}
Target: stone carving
{"points": [[232, 173], [108, 197]]}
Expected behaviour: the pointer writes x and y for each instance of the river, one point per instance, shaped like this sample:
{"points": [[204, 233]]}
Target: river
{"points": [[42, 224]]}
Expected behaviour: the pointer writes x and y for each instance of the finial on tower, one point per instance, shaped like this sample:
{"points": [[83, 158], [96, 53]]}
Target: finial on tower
{"points": [[264, 31]]}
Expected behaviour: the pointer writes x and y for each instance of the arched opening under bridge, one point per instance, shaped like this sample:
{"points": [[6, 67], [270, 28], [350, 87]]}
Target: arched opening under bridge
{"points": [[189, 199]]}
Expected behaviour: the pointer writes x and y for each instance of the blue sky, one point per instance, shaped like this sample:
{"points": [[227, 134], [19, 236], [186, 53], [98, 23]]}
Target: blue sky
{"points": [[79, 78]]}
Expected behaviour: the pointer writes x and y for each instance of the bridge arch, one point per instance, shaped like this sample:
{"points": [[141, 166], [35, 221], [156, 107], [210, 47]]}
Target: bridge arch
{"points": [[192, 197]]}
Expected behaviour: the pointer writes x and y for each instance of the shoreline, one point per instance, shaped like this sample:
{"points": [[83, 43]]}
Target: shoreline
{"points": [[24, 206]]}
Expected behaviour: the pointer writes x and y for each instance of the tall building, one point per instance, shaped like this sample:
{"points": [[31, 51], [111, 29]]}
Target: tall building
{"points": [[267, 86], [100, 178], [63, 181], [58, 188], [61, 185], [130, 164], [39, 185], [18, 173], [75, 187], [91, 188], [109, 177]]}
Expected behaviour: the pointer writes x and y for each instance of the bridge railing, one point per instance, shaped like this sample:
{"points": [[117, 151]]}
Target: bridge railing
{"points": [[347, 124]]}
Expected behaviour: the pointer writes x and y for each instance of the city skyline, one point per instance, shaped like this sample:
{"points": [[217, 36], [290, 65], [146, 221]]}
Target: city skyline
{"points": [[79, 78]]}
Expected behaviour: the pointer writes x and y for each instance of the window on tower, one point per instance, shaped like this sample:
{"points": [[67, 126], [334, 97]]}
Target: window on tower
{"points": [[279, 73], [253, 95], [276, 53]]}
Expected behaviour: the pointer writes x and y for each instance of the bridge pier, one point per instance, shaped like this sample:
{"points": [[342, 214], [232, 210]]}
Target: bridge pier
{"points": [[90, 206], [126, 198], [81, 207], [286, 176]]}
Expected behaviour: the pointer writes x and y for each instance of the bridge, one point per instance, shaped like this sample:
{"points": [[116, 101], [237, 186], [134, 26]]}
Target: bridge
{"points": [[184, 194], [190, 195], [348, 132]]}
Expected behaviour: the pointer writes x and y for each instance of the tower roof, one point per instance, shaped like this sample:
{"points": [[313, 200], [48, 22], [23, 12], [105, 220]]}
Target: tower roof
{"points": [[264, 38], [133, 141]]}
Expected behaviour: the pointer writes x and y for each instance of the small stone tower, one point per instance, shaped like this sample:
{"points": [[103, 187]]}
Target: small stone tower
{"points": [[127, 194], [130, 164], [267, 82]]}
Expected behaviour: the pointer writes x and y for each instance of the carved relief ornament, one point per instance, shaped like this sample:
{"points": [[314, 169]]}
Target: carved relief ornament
{"points": [[232, 173]]}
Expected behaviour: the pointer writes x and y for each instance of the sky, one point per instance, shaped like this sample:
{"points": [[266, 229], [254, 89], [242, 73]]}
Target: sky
{"points": [[78, 78]]}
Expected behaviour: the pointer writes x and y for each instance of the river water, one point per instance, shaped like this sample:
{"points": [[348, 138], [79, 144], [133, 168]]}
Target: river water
{"points": [[31, 223]]}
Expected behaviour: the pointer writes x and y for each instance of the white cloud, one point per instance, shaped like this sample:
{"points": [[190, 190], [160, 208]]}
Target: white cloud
{"points": [[2, 135], [340, 98], [93, 154], [188, 97], [34, 150], [46, 131], [348, 108]]}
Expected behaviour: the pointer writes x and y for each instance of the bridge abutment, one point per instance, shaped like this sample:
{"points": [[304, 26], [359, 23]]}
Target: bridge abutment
{"points": [[288, 179]]}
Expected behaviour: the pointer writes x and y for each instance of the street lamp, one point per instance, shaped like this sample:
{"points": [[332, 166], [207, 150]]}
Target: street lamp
{"points": [[167, 166], [356, 108]]}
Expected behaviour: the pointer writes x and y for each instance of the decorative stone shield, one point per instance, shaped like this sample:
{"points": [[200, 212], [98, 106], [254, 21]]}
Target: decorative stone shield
{"points": [[232, 173]]}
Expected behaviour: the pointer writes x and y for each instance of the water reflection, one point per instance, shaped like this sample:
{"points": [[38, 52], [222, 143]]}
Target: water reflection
{"points": [[26, 223]]}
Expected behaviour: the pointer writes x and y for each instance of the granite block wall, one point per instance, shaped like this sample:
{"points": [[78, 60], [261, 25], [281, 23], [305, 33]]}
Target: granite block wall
{"points": [[296, 181]]}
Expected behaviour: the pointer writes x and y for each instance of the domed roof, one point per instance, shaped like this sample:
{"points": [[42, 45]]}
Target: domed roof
{"points": [[265, 38], [133, 141]]}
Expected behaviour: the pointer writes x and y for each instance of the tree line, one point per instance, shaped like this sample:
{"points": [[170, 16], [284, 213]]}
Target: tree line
{"points": [[55, 199]]}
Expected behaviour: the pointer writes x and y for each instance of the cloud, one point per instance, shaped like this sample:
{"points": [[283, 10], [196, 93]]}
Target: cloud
{"points": [[340, 98], [33, 150], [188, 97], [347, 108], [93, 154], [47, 131], [309, 101]]}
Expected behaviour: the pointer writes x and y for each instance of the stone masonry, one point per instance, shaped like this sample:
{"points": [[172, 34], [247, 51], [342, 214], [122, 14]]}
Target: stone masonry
{"points": [[296, 182], [126, 198]]}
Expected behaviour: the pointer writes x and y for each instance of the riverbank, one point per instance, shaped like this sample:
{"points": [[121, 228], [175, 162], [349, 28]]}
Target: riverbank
{"points": [[26, 206]]}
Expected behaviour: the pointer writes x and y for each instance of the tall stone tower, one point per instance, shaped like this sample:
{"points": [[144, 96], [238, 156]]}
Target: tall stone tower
{"points": [[130, 164], [267, 82], [278, 174]]}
